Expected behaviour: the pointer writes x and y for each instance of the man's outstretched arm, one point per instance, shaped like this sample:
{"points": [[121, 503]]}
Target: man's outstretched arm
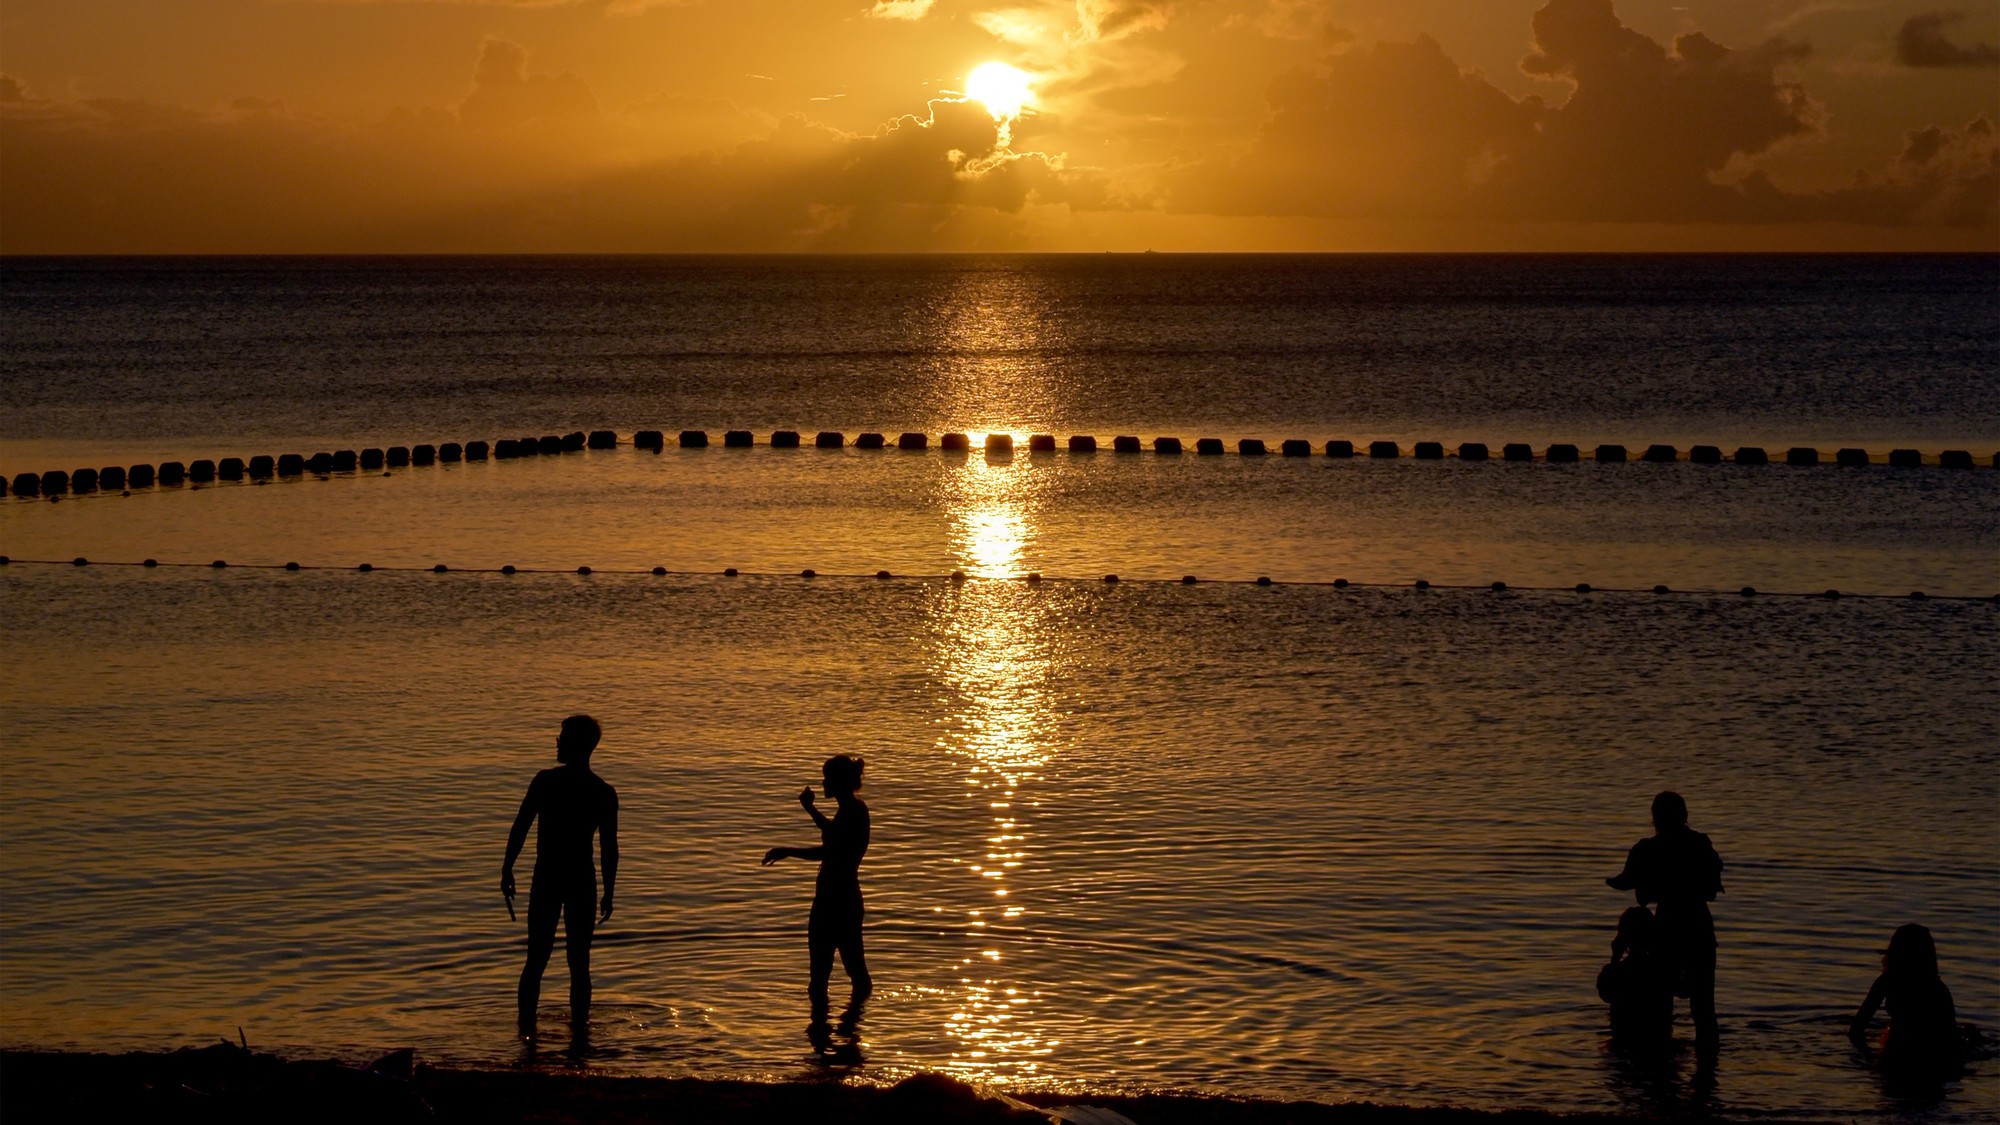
{"points": [[607, 842], [517, 836]]}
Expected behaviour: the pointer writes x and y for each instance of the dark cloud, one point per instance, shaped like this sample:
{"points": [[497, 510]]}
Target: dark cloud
{"points": [[1922, 42], [505, 96], [1650, 133]]}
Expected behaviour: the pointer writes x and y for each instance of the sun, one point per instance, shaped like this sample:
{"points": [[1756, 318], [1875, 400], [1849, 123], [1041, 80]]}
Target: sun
{"points": [[1004, 90]]}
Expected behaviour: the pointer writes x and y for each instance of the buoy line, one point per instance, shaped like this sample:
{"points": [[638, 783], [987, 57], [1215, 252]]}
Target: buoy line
{"points": [[1028, 578], [122, 479]]}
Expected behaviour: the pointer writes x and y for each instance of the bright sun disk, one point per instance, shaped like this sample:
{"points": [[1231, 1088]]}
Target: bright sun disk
{"points": [[1002, 89]]}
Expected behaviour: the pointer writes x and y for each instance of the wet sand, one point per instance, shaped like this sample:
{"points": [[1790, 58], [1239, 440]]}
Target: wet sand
{"points": [[225, 1084]]}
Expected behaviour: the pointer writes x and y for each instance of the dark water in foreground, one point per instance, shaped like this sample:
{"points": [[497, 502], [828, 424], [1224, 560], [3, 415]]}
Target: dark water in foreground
{"points": [[1290, 841]]}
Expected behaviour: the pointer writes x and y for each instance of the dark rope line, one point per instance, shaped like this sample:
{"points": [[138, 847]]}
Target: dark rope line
{"points": [[1031, 578]]}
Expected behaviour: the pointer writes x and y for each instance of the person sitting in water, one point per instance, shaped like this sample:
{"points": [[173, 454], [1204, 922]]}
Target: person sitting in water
{"points": [[1923, 1034], [835, 923], [1637, 985], [1679, 869]]}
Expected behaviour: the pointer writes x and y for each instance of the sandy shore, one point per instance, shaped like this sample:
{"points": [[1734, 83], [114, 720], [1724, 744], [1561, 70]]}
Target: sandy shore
{"points": [[226, 1084]]}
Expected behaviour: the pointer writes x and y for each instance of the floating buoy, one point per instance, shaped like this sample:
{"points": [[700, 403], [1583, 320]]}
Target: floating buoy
{"points": [[172, 472], [79, 561], [584, 570], [1168, 445], [1609, 455], [1955, 459], [958, 576], [1751, 455], [955, 443], [1831, 593], [371, 458], [1474, 451], [365, 567], [1034, 576], [1905, 459], [882, 574], [477, 450], [1340, 583], [54, 481], [729, 572], [1517, 451], [738, 439], [1661, 590], [694, 439], [202, 471], [1250, 447], [1208, 446], [1851, 458], [914, 442], [1296, 447], [1422, 585], [451, 452], [1499, 587], [1802, 457], [261, 467], [1583, 587], [574, 441], [809, 572], [139, 476], [1384, 450], [218, 565], [423, 454], [642, 439], [659, 572], [1189, 580], [1125, 443], [1705, 455], [83, 480], [1340, 448], [113, 477], [603, 439], [869, 441], [1429, 451], [321, 463], [548, 444], [1918, 595], [785, 439], [27, 484], [1041, 443], [1661, 455], [1108, 578], [291, 465], [150, 563], [1263, 580], [291, 566], [229, 468], [1082, 443], [440, 569], [1561, 453], [1748, 591], [999, 443]]}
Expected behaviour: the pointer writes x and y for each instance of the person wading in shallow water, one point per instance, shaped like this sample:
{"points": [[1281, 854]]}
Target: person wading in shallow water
{"points": [[835, 925], [1677, 868], [574, 804]]}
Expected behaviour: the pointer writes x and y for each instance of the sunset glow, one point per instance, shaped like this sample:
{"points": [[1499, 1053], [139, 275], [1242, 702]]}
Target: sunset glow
{"points": [[1004, 90]]}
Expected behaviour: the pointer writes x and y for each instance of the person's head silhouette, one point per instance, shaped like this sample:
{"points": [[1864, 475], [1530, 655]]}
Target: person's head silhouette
{"points": [[1912, 954], [842, 775], [578, 738], [1635, 932], [1669, 811]]}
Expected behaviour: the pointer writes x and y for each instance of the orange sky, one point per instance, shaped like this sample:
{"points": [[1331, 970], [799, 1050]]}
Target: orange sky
{"points": [[674, 125]]}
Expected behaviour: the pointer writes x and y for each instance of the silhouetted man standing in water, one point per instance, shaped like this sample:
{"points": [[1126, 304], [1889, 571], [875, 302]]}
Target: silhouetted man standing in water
{"points": [[574, 804], [1677, 868]]}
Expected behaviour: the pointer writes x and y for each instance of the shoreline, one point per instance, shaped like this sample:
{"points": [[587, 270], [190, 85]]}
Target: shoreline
{"points": [[225, 1083]]}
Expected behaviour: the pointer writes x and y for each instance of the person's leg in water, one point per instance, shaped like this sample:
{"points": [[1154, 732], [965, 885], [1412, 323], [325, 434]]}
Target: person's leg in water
{"points": [[579, 928], [544, 909], [1701, 1003], [856, 964], [821, 943]]}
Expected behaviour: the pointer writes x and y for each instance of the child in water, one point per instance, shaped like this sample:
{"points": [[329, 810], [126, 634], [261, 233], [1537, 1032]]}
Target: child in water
{"points": [[1923, 1034], [835, 924], [1638, 985]]}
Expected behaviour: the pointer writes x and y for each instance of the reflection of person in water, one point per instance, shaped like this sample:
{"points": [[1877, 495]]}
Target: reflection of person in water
{"points": [[573, 804], [1923, 1035], [1637, 985], [1677, 868], [835, 925]]}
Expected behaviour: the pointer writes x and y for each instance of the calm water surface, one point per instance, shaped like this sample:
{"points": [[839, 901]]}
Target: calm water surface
{"points": [[1292, 841]]}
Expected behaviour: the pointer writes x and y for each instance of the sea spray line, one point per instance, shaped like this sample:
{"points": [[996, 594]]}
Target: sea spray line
{"points": [[1031, 578], [110, 478]]}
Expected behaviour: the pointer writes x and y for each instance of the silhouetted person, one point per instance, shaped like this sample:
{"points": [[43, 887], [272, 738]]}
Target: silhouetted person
{"points": [[1638, 985], [1923, 1037], [1678, 869], [835, 925], [574, 804]]}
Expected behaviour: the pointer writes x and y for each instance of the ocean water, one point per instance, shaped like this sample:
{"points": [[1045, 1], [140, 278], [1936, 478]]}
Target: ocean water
{"points": [[1290, 840]]}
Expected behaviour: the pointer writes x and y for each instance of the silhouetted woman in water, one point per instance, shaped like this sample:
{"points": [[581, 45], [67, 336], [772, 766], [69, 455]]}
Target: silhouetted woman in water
{"points": [[1638, 985], [836, 910], [1923, 1039]]}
